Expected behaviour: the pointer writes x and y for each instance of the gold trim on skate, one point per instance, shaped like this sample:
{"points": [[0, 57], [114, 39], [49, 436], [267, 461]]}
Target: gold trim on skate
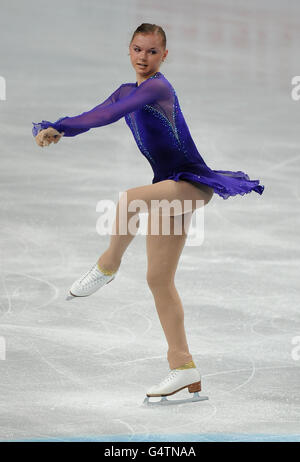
{"points": [[106, 272], [189, 365]]}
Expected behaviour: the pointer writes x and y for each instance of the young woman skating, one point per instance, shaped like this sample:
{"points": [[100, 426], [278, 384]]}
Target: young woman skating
{"points": [[152, 112]]}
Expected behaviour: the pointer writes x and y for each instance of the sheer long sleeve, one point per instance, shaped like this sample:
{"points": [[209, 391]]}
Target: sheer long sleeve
{"points": [[37, 127], [111, 110]]}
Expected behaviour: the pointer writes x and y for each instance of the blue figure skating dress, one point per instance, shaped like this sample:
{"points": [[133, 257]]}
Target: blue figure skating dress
{"points": [[153, 114]]}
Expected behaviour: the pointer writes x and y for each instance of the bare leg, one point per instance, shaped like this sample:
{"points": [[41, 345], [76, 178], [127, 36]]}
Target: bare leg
{"points": [[111, 259], [163, 253], [168, 190]]}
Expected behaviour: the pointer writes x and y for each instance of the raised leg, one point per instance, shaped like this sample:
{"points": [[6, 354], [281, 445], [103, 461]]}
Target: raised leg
{"points": [[111, 259], [167, 190]]}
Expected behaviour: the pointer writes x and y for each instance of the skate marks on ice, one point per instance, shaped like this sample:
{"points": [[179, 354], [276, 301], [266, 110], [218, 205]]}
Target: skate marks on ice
{"points": [[148, 420], [23, 285], [147, 402], [116, 321], [21, 291]]}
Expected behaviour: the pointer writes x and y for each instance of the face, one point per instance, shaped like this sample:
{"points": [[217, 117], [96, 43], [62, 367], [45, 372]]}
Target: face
{"points": [[146, 54]]}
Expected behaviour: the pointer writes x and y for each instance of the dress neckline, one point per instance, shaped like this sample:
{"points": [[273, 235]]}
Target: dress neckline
{"points": [[152, 76]]}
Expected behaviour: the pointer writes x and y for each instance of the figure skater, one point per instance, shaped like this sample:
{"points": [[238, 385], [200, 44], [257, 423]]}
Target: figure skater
{"points": [[152, 112]]}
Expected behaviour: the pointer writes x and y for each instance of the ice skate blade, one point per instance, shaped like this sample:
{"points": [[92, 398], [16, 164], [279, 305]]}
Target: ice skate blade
{"points": [[166, 402], [70, 297]]}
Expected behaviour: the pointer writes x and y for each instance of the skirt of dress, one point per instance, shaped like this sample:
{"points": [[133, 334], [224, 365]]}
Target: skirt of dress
{"points": [[224, 183]]}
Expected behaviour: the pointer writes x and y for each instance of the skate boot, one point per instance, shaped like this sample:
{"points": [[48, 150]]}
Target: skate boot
{"points": [[186, 376], [90, 282]]}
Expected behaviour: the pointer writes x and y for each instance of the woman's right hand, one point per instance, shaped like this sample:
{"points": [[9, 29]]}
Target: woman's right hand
{"points": [[48, 136]]}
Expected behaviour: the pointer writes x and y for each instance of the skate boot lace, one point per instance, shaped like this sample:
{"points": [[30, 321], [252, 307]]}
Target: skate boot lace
{"points": [[91, 277], [169, 377]]}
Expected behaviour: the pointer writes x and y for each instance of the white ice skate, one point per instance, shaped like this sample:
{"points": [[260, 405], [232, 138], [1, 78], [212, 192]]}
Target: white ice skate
{"points": [[90, 282], [176, 380]]}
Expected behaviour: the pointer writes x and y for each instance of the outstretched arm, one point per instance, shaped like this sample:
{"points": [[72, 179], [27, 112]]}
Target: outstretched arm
{"points": [[37, 127], [110, 110]]}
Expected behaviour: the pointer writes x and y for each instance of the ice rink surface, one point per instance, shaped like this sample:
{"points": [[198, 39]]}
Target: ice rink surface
{"points": [[79, 370]]}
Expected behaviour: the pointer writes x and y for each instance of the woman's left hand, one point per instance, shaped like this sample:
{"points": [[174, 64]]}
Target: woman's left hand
{"points": [[48, 136]]}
